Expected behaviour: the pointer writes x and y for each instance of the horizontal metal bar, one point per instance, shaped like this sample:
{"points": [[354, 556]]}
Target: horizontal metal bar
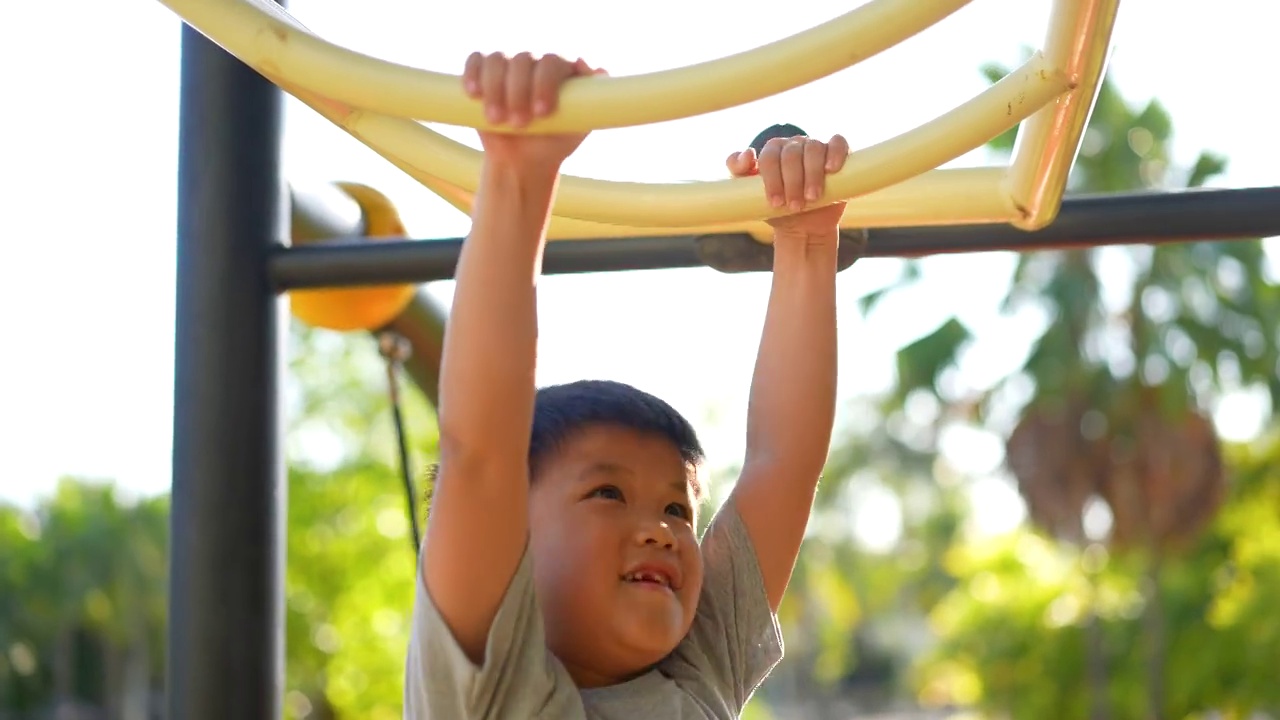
{"points": [[1111, 219], [348, 263], [1148, 218]]}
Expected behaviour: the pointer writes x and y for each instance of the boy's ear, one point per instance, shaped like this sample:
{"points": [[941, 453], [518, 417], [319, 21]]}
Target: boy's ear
{"points": [[775, 131]]}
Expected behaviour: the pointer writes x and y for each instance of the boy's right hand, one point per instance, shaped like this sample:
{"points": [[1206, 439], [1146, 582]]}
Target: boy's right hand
{"points": [[516, 90]]}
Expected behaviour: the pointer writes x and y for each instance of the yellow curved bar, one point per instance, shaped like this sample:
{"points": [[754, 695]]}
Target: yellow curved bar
{"points": [[265, 37], [358, 308], [1078, 42], [937, 197], [963, 196], [960, 196], [968, 126]]}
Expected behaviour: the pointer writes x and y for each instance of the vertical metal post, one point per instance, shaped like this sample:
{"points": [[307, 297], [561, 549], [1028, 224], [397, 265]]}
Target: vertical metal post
{"points": [[226, 602]]}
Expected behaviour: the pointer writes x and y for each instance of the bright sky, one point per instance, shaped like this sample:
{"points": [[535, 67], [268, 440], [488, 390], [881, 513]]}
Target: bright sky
{"points": [[90, 143]]}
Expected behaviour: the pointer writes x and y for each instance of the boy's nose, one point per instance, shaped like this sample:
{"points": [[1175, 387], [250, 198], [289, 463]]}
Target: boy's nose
{"points": [[656, 533]]}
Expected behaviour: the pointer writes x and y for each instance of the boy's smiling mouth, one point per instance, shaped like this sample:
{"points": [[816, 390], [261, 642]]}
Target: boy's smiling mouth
{"points": [[653, 574], [648, 577]]}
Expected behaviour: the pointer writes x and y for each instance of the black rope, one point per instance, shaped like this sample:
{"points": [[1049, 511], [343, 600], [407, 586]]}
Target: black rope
{"points": [[396, 350]]}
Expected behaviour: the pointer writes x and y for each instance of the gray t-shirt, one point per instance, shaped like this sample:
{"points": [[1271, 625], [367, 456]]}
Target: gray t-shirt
{"points": [[734, 644]]}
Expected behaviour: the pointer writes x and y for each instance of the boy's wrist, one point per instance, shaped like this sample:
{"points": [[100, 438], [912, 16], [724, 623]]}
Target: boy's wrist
{"points": [[519, 171], [515, 187], [805, 248], [793, 236]]}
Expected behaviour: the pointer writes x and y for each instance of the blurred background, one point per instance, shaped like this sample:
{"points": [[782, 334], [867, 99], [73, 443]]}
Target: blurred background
{"points": [[969, 554]]}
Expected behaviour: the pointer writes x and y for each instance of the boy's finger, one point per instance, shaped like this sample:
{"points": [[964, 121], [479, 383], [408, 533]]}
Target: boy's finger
{"points": [[793, 180], [519, 88], [743, 163], [471, 74], [549, 74], [582, 68], [837, 153], [815, 176], [493, 84], [770, 168]]}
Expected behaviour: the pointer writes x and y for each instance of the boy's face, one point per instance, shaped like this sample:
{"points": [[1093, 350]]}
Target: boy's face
{"points": [[616, 560]]}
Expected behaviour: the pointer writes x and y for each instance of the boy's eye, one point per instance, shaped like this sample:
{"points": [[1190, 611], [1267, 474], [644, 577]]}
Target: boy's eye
{"points": [[679, 511], [608, 492]]}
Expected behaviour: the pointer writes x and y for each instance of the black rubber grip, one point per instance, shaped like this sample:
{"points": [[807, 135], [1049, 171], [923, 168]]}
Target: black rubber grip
{"points": [[776, 131], [739, 252]]}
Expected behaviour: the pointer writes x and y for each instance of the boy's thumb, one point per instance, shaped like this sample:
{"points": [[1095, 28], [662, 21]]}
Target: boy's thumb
{"points": [[742, 163]]}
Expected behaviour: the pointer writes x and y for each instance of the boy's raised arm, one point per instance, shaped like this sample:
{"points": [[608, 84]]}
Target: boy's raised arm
{"points": [[478, 527], [792, 404]]}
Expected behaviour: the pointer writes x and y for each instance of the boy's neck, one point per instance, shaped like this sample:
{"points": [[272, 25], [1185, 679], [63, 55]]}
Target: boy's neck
{"points": [[591, 679]]}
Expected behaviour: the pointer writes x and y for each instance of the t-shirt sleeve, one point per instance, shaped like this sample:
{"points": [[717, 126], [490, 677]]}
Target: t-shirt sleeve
{"points": [[519, 677], [735, 641]]}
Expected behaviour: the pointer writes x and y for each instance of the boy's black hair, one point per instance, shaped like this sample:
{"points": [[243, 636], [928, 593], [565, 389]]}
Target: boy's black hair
{"points": [[561, 410]]}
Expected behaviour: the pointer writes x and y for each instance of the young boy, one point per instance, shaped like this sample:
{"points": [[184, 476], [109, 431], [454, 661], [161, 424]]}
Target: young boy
{"points": [[561, 577]]}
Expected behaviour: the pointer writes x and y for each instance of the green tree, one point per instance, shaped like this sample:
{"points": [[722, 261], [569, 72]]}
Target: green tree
{"points": [[349, 589], [81, 618], [1015, 632], [1118, 367], [1111, 421], [351, 571], [83, 612]]}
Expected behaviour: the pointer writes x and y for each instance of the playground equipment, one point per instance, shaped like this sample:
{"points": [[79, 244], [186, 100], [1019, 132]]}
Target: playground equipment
{"points": [[228, 501], [377, 102]]}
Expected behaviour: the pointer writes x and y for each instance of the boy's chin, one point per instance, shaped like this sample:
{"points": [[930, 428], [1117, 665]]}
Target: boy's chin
{"points": [[623, 652], [651, 637]]}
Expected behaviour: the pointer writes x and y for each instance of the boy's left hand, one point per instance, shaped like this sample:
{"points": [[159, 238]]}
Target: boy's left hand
{"points": [[794, 171]]}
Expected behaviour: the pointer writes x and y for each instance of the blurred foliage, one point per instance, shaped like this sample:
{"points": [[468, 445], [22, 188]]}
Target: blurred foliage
{"points": [[84, 574], [1015, 631], [349, 586], [83, 600]]}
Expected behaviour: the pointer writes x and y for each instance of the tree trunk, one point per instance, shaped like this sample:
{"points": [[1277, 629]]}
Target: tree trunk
{"points": [[110, 656], [64, 673], [135, 688], [1095, 658]]}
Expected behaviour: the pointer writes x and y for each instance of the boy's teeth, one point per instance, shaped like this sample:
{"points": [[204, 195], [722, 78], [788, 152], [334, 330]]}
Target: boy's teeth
{"points": [[645, 577]]}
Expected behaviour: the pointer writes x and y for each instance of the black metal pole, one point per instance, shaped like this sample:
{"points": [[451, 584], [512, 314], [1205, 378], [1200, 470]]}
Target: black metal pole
{"points": [[1117, 219], [226, 607]]}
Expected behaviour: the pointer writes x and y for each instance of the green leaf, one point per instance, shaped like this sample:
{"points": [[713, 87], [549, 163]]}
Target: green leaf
{"points": [[922, 362], [1207, 167]]}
